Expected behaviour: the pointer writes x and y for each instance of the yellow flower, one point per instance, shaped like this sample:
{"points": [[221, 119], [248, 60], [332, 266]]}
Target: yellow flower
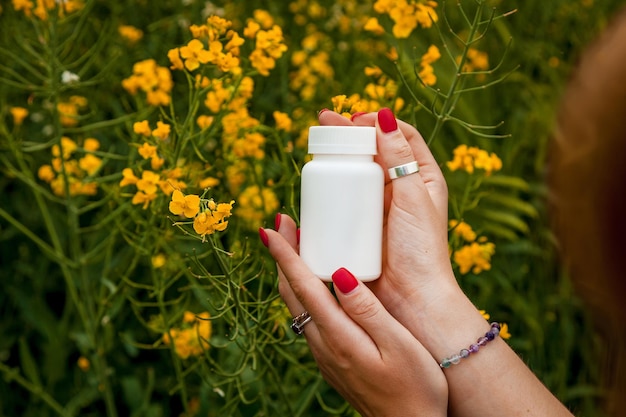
{"points": [[159, 260], [174, 57], [204, 121], [68, 146], [148, 182], [90, 163], [463, 230], [130, 33], [152, 79], [156, 162], [234, 42], [476, 61], [471, 158], [208, 182], [142, 198], [147, 151], [192, 337], [129, 177], [255, 204], [162, 131], [474, 257], [142, 128], [19, 114], [372, 25], [91, 144], [504, 331], [83, 363], [374, 71], [187, 205], [46, 173], [213, 219], [194, 54], [189, 317], [485, 315], [283, 122], [432, 55]]}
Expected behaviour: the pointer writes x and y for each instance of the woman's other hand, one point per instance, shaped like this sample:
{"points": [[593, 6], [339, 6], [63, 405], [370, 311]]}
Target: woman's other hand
{"points": [[371, 359]]}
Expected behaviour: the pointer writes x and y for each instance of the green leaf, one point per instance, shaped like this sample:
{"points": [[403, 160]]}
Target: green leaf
{"points": [[507, 181], [29, 366], [506, 219], [512, 203]]}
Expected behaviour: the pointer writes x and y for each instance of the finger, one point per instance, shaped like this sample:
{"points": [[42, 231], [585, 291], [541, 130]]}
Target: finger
{"points": [[430, 172], [304, 291], [287, 228], [330, 328], [360, 303], [398, 144], [330, 118]]}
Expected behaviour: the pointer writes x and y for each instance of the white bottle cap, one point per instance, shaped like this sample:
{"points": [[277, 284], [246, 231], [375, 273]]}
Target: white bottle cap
{"points": [[354, 140]]}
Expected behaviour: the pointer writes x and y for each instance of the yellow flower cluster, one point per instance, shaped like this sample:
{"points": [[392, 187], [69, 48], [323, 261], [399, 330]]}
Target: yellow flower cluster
{"points": [[213, 44], [470, 158], [269, 41], [192, 337], [130, 33], [406, 15], [475, 254], [427, 72], [69, 110], [69, 174], [155, 81], [42, 8], [476, 61], [209, 217], [212, 62], [374, 98], [255, 204], [311, 67]]}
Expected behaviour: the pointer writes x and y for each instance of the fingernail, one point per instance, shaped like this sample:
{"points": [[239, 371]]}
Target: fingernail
{"points": [[277, 221], [264, 238], [387, 121], [298, 235], [357, 114], [344, 280], [321, 111]]}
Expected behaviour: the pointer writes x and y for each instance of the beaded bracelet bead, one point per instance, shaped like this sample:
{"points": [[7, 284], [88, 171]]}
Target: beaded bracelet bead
{"points": [[465, 353]]}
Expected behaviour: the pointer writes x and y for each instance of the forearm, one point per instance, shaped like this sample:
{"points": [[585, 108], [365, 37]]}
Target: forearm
{"points": [[491, 382]]}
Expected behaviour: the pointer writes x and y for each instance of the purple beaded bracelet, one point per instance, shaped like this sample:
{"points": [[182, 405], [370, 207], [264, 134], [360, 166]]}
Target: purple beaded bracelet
{"points": [[464, 353]]}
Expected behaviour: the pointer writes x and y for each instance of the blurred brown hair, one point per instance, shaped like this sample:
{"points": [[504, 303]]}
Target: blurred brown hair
{"points": [[588, 192]]}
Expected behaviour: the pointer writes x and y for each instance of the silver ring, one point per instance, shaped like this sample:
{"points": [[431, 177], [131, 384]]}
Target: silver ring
{"points": [[403, 170], [299, 321]]}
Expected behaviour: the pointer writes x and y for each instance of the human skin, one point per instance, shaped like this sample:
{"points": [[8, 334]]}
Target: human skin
{"points": [[417, 291]]}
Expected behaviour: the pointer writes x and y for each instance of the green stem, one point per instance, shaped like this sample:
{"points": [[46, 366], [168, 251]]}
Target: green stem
{"points": [[14, 375], [452, 96]]}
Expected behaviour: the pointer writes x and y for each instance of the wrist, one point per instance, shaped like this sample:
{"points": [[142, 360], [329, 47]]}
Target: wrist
{"points": [[445, 321]]}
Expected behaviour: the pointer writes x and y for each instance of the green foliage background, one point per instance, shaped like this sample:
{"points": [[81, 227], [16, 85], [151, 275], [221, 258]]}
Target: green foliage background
{"points": [[255, 366]]}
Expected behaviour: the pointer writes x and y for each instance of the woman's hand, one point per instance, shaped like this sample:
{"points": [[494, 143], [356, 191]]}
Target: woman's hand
{"points": [[362, 351], [416, 263], [418, 287]]}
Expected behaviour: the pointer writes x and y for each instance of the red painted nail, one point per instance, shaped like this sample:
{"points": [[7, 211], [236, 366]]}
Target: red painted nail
{"points": [[298, 235], [277, 221], [387, 121], [357, 114], [264, 238], [344, 280]]}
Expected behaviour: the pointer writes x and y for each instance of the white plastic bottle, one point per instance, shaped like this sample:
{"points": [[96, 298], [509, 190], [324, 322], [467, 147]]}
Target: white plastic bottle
{"points": [[341, 206]]}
